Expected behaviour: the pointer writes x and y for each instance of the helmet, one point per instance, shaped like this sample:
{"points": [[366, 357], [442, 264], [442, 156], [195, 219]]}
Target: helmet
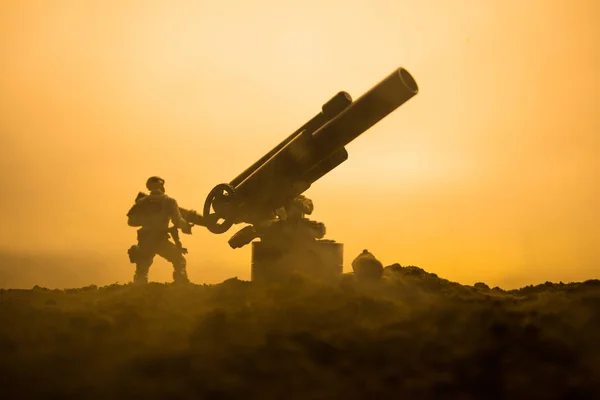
{"points": [[154, 181]]}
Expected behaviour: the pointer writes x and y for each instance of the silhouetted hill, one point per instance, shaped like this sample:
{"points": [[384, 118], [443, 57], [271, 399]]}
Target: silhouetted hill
{"points": [[19, 269], [410, 335]]}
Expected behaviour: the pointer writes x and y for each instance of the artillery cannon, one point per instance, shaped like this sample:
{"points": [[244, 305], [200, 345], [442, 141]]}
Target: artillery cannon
{"points": [[305, 156]]}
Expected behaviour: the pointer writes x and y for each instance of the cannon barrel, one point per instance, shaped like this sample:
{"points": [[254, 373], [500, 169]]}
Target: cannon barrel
{"points": [[333, 107], [385, 97], [306, 155], [329, 164]]}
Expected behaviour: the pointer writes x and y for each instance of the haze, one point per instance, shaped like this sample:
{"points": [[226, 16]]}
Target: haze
{"points": [[489, 174]]}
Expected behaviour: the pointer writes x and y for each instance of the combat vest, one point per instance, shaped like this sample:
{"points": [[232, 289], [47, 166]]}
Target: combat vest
{"points": [[150, 212]]}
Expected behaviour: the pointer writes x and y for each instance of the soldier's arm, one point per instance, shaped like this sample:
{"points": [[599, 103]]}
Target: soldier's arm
{"points": [[176, 217]]}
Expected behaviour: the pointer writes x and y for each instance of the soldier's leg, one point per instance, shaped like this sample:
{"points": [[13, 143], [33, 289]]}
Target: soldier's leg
{"points": [[143, 261], [172, 254], [141, 271]]}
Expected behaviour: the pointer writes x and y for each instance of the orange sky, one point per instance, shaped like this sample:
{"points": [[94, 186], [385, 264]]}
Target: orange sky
{"points": [[490, 173]]}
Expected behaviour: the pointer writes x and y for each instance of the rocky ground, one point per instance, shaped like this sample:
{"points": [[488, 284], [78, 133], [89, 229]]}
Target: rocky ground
{"points": [[409, 335]]}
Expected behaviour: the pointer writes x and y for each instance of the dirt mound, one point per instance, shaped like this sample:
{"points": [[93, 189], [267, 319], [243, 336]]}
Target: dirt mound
{"points": [[409, 335]]}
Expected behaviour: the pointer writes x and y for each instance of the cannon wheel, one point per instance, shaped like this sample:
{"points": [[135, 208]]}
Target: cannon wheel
{"points": [[217, 196]]}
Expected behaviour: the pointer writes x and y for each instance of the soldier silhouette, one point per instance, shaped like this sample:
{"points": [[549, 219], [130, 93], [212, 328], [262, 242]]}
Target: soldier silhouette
{"points": [[152, 214]]}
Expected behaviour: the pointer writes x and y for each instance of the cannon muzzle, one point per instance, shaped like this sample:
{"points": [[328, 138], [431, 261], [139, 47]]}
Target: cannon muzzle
{"points": [[304, 157]]}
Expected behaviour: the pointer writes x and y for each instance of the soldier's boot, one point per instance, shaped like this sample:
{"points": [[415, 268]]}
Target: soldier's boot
{"points": [[141, 274], [180, 271], [140, 279], [180, 276]]}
